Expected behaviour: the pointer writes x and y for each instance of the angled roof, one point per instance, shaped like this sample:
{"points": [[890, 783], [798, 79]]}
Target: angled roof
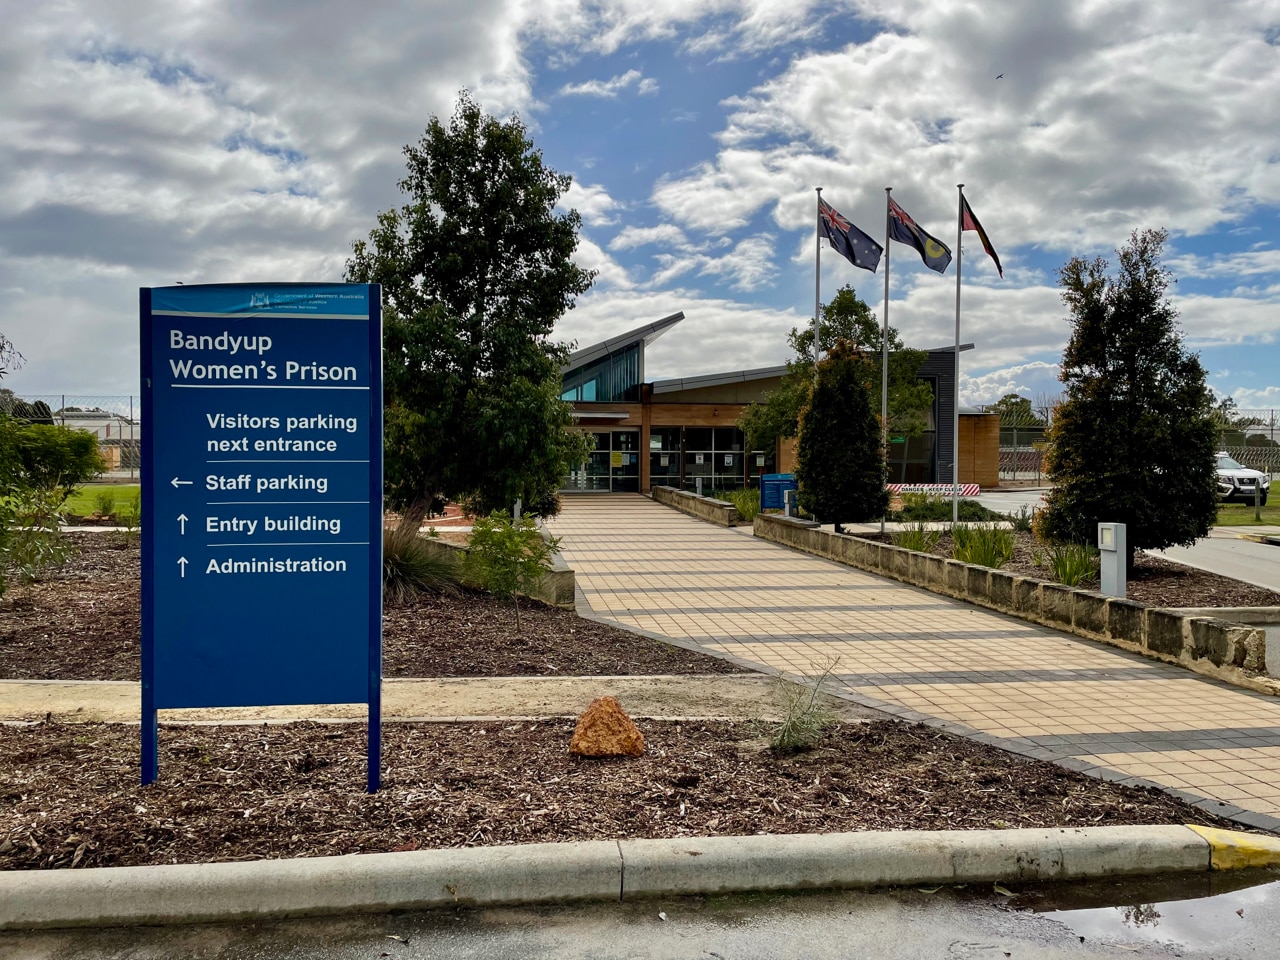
{"points": [[598, 351], [717, 379]]}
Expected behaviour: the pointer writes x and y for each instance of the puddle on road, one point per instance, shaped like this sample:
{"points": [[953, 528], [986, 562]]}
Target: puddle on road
{"points": [[1197, 910]]}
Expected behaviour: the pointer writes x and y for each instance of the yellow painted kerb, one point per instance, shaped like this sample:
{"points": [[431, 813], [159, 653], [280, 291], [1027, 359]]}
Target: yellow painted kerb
{"points": [[1233, 850]]}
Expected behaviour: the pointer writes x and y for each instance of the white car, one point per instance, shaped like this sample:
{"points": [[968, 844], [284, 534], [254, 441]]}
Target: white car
{"points": [[1237, 482]]}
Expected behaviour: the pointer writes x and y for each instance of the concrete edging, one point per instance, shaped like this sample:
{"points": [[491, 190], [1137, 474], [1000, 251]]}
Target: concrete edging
{"points": [[1209, 645], [609, 870]]}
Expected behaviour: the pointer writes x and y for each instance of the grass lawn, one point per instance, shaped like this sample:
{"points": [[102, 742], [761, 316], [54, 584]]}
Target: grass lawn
{"points": [[85, 500], [1241, 515]]}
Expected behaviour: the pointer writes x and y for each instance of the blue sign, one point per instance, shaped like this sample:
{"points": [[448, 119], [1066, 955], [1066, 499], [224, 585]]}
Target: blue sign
{"points": [[773, 487], [262, 499]]}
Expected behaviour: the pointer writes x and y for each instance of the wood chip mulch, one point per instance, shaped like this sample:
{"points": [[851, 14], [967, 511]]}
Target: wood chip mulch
{"points": [[69, 793], [82, 621]]}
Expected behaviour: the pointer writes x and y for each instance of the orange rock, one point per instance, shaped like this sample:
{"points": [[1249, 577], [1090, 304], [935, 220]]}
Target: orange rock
{"points": [[604, 730]]}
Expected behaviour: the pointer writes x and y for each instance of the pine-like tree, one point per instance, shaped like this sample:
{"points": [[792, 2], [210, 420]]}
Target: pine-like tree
{"points": [[840, 463], [1133, 441]]}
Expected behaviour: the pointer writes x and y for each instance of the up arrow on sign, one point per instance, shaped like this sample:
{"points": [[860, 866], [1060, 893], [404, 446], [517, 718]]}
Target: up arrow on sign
{"points": [[182, 562], [182, 521]]}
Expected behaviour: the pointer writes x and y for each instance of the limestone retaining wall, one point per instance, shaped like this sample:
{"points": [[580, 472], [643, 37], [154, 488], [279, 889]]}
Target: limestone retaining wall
{"points": [[555, 588], [1207, 644], [705, 508]]}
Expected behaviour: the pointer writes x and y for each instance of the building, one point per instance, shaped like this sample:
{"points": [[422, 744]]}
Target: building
{"points": [[681, 431]]}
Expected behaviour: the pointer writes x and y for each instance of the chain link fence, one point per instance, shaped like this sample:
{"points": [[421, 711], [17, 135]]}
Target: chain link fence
{"points": [[115, 421], [1251, 437]]}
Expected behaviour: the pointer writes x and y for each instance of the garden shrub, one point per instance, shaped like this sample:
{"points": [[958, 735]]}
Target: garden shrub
{"points": [[984, 544]]}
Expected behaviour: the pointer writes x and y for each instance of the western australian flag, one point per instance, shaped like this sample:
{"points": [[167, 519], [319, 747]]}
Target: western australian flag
{"points": [[935, 254], [847, 240]]}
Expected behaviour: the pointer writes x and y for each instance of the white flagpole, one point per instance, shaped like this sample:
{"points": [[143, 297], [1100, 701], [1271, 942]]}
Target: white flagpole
{"points": [[884, 347], [817, 285], [955, 424]]}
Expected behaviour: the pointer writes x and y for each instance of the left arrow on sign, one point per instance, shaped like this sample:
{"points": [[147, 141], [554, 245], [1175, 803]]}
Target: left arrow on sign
{"points": [[181, 483], [182, 562]]}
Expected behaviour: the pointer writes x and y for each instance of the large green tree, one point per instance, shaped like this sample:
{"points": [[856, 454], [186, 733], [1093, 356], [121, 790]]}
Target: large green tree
{"points": [[1133, 441], [475, 269], [1015, 410], [846, 317], [839, 460]]}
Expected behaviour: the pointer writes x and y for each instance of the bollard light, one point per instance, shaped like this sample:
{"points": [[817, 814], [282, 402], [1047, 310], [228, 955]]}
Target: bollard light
{"points": [[1113, 548]]}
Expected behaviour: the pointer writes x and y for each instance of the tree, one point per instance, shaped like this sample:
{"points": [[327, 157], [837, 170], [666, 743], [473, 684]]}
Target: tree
{"points": [[1015, 411], [1133, 441], [840, 463], [846, 317], [475, 270], [9, 355]]}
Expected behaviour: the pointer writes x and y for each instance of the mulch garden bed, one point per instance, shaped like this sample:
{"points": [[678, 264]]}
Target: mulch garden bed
{"points": [[82, 621], [69, 793], [1154, 580]]}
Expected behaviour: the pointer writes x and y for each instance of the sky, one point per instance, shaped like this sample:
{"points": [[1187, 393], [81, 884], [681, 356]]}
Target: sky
{"points": [[209, 141]]}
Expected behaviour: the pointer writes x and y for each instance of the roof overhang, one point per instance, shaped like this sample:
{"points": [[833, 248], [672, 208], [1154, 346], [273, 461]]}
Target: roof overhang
{"points": [[605, 348], [717, 379]]}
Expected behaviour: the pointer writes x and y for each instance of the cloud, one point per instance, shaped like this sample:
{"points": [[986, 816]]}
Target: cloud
{"points": [[592, 201], [1031, 380], [1247, 264], [1108, 128], [728, 28], [716, 335], [630, 237], [602, 88], [1265, 400]]}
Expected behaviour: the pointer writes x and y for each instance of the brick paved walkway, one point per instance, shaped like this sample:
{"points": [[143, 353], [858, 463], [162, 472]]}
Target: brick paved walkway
{"points": [[921, 656]]}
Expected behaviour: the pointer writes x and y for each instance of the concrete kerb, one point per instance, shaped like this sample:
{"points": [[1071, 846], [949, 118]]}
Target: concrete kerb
{"points": [[609, 870]]}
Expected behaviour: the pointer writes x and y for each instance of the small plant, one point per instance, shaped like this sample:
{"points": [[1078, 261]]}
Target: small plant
{"points": [[30, 534], [747, 501], [1073, 563], [982, 543], [916, 536], [805, 713], [1022, 519], [130, 521], [508, 557], [105, 503], [410, 566]]}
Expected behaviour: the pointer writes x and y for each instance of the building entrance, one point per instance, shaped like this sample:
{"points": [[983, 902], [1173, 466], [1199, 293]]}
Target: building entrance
{"points": [[612, 467]]}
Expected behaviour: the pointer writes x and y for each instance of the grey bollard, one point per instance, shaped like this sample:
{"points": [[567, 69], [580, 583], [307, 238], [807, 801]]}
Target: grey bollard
{"points": [[1113, 548]]}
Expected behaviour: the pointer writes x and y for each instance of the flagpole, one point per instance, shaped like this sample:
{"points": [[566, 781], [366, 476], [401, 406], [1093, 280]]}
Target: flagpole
{"points": [[817, 283], [955, 425], [884, 349]]}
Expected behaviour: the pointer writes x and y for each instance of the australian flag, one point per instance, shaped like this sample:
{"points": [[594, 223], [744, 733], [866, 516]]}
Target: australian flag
{"points": [[847, 240], [935, 254]]}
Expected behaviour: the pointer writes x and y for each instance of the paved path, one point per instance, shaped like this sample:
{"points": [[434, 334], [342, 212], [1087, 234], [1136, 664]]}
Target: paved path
{"points": [[922, 656]]}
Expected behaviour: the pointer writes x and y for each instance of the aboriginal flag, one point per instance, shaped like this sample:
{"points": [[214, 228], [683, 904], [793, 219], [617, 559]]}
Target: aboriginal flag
{"points": [[969, 222], [935, 254]]}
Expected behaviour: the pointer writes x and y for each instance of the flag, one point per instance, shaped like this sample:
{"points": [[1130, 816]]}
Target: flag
{"points": [[969, 222], [935, 254], [847, 240]]}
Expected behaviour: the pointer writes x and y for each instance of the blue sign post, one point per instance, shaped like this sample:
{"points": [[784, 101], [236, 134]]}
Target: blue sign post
{"points": [[261, 500]]}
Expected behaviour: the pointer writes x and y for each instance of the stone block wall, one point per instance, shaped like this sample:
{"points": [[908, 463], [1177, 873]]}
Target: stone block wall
{"points": [[1207, 644], [557, 587], [704, 508]]}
